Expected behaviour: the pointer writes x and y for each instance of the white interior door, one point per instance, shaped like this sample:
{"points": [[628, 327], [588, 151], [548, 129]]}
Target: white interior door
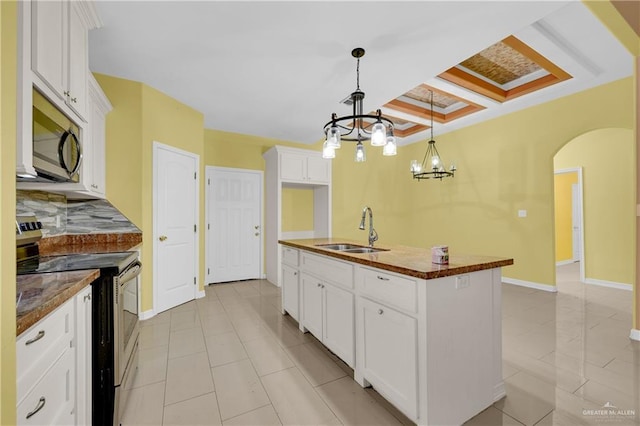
{"points": [[175, 220], [576, 219], [234, 224]]}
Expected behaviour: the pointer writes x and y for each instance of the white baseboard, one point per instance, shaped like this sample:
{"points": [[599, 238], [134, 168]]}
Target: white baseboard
{"points": [[530, 284], [635, 334], [146, 315], [200, 294], [611, 284], [565, 262]]}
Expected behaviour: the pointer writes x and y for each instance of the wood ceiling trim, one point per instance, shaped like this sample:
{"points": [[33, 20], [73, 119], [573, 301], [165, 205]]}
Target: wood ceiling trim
{"points": [[468, 81], [403, 133], [424, 111]]}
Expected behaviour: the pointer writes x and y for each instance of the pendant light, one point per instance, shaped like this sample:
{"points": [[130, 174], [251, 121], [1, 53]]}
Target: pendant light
{"points": [[354, 128], [432, 166]]}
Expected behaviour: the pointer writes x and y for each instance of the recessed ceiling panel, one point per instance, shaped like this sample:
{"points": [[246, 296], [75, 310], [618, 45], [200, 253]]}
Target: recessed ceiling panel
{"points": [[505, 70], [446, 107]]}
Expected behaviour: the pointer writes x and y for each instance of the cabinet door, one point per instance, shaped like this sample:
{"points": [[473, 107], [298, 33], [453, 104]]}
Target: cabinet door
{"points": [[96, 159], [390, 354], [339, 322], [78, 63], [52, 400], [293, 167], [290, 290], [48, 43], [311, 317], [318, 169], [83, 356]]}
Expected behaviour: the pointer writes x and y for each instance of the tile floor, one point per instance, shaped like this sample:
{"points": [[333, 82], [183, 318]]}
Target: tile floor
{"points": [[231, 358]]}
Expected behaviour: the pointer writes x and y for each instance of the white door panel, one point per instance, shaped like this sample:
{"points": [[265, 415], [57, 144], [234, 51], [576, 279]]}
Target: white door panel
{"points": [[234, 217], [176, 214]]}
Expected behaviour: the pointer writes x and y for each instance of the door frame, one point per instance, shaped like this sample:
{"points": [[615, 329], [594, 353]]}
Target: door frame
{"points": [[578, 170], [196, 235], [209, 170]]}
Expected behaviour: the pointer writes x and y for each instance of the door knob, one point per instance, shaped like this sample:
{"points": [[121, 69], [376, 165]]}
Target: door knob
{"points": [[256, 234], [162, 237], [257, 227]]}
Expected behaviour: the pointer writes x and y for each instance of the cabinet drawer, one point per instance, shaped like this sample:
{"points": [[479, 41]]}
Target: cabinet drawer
{"points": [[290, 256], [394, 290], [43, 343], [331, 270], [51, 401]]}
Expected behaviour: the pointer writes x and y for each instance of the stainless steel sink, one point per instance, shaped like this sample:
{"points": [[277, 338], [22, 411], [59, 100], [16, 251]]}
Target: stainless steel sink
{"points": [[363, 250], [340, 247], [350, 248]]}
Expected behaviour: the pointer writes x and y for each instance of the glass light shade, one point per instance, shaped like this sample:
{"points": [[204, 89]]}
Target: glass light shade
{"points": [[333, 137], [378, 134], [360, 155], [415, 166], [390, 148], [435, 162], [328, 151]]}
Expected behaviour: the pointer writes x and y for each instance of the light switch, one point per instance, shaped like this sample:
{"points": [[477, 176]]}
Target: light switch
{"points": [[522, 213]]}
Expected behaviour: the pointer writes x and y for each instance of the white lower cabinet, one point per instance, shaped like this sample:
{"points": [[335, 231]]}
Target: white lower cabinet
{"points": [[389, 355], [51, 401], [290, 291], [83, 356], [54, 366], [327, 311]]}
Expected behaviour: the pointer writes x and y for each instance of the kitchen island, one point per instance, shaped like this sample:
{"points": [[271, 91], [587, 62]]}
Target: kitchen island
{"points": [[427, 337]]}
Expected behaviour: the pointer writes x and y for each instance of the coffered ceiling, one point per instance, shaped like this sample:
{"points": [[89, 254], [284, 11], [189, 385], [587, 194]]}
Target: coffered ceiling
{"points": [[279, 69]]}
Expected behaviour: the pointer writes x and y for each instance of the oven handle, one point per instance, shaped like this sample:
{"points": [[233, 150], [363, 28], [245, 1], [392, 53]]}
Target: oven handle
{"points": [[130, 273]]}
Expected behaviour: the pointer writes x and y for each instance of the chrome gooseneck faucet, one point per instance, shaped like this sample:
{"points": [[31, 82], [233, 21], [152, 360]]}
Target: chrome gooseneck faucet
{"points": [[373, 235]]}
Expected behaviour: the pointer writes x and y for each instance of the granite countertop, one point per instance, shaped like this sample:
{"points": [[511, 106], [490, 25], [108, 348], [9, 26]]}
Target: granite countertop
{"points": [[89, 243], [412, 261], [40, 294]]}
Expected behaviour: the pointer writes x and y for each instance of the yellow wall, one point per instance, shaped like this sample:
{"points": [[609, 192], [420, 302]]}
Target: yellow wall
{"points": [[140, 116], [504, 165], [563, 209], [8, 97], [297, 209], [607, 157]]}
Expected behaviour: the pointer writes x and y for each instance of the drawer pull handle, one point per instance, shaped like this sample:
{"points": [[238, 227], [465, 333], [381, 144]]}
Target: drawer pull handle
{"points": [[383, 278], [319, 285], [380, 312], [39, 336], [295, 273], [38, 407], [87, 297]]}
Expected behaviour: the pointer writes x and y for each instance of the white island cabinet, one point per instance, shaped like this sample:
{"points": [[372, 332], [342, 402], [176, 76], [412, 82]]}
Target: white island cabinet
{"points": [[427, 337]]}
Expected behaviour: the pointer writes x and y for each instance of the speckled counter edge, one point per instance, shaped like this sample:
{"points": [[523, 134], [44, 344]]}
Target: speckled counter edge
{"points": [[89, 243], [411, 261], [70, 284]]}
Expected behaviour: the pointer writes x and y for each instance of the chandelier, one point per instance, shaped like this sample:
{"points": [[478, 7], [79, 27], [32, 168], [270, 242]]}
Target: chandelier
{"points": [[432, 164], [358, 127]]}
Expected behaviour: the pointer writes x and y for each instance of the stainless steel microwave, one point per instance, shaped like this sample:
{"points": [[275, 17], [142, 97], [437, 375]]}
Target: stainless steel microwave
{"points": [[57, 151]]}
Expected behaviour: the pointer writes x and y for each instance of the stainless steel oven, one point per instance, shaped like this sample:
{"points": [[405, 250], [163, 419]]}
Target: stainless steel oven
{"points": [[125, 304]]}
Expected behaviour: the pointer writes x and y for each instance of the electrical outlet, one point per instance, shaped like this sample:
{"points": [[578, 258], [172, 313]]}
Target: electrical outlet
{"points": [[522, 213], [462, 281]]}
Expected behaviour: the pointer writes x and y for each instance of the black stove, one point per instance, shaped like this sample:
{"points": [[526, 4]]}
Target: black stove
{"points": [[111, 263]]}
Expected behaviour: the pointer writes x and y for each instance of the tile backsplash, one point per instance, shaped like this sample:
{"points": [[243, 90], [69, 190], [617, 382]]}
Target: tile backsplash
{"points": [[48, 208], [60, 216]]}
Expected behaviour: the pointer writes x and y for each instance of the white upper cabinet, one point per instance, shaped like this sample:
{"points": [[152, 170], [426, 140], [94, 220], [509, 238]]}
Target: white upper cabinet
{"points": [[94, 165], [304, 168], [59, 51]]}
